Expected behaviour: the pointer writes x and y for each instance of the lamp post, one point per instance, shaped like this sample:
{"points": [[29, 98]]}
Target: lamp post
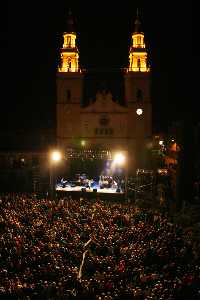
{"points": [[55, 157]]}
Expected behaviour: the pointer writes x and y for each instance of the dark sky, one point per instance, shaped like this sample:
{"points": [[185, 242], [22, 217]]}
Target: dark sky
{"points": [[31, 35]]}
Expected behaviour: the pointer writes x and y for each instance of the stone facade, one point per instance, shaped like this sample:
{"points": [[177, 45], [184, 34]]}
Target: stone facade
{"points": [[104, 123]]}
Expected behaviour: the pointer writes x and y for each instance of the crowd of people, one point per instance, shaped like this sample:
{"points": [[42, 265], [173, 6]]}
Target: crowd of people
{"points": [[92, 249]]}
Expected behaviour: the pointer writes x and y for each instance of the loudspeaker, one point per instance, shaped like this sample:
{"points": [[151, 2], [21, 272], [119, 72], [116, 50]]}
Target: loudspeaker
{"points": [[118, 190], [94, 190], [83, 190]]}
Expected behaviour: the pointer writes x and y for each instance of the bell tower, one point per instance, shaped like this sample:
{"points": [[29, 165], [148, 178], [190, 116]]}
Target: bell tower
{"points": [[69, 51], [137, 52], [137, 77], [69, 82], [137, 93]]}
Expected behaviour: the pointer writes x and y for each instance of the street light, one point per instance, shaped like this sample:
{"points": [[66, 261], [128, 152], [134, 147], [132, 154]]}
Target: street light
{"points": [[55, 157], [139, 111], [119, 158]]}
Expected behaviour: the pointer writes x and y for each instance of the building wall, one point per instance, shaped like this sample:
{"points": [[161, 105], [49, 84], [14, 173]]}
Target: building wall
{"points": [[104, 123], [69, 95]]}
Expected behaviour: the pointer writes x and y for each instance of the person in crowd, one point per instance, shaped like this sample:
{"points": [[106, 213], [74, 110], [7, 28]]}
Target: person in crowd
{"points": [[70, 249]]}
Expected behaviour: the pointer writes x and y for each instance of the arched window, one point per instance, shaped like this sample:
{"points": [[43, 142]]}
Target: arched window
{"points": [[69, 41], [69, 64], [139, 94], [68, 94], [138, 63]]}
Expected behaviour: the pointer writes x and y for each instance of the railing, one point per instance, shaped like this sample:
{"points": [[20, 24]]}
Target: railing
{"points": [[69, 70], [104, 70], [138, 69], [143, 182]]}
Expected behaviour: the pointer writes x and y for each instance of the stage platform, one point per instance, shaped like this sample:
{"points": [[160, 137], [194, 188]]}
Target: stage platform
{"points": [[89, 190], [103, 194]]}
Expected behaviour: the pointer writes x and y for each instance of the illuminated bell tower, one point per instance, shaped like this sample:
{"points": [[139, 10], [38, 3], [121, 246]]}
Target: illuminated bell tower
{"points": [[69, 84], [137, 53], [137, 94], [69, 51]]}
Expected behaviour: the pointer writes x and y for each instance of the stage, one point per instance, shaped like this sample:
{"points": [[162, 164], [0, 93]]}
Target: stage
{"points": [[105, 194], [103, 184], [89, 190]]}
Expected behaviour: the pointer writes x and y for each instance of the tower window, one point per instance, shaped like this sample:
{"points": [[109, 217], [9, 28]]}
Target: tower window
{"points": [[138, 63], [69, 64], [139, 95], [69, 41], [68, 95], [86, 126]]}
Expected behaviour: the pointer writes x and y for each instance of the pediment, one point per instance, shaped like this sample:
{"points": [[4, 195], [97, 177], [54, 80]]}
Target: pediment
{"points": [[104, 103]]}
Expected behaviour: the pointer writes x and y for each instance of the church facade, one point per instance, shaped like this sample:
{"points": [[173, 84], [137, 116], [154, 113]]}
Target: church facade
{"points": [[104, 126]]}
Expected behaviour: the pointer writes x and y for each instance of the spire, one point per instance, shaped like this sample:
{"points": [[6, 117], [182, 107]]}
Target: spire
{"points": [[70, 24], [137, 23]]}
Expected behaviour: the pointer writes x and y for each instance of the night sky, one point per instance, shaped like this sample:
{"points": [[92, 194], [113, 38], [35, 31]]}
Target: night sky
{"points": [[31, 35]]}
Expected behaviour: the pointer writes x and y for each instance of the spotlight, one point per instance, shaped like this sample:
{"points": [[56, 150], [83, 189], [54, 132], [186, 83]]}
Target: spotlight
{"points": [[119, 158], [55, 156]]}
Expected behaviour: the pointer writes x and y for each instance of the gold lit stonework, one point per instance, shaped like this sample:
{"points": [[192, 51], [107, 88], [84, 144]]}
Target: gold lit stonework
{"points": [[138, 54], [69, 54]]}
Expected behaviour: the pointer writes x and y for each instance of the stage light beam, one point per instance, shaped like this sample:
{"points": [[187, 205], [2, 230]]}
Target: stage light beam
{"points": [[55, 158]]}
